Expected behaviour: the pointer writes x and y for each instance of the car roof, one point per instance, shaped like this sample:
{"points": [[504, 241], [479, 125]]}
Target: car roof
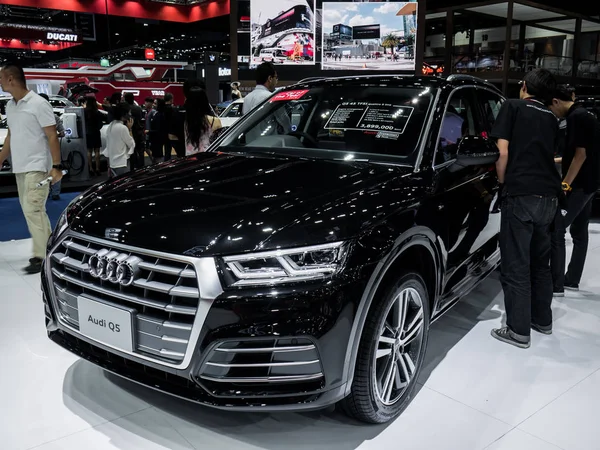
{"points": [[398, 81]]}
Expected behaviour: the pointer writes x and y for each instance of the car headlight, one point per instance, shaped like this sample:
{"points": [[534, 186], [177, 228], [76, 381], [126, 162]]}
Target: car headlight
{"points": [[287, 266], [62, 224]]}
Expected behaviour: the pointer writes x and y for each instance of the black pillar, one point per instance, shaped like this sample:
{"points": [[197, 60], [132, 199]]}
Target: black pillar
{"points": [[211, 76], [471, 41], [521, 51], [507, 40], [576, 49], [419, 50], [233, 38], [448, 60]]}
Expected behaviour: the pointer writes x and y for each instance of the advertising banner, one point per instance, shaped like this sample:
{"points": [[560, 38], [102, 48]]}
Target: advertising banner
{"points": [[368, 35], [39, 33], [282, 32]]}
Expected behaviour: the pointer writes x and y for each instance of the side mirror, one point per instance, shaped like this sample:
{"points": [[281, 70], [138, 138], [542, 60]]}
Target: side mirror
{"points": [[476, 151]]}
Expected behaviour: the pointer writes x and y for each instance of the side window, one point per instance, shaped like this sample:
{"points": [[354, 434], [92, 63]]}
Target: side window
{"points": [[460, 121], [490, 104]]}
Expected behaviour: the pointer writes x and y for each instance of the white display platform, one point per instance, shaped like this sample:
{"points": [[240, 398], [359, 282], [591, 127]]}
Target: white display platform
{"points": [[477, 393]]}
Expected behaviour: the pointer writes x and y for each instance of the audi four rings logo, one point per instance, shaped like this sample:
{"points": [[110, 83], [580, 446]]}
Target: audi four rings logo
{"points": [[115, 267]]}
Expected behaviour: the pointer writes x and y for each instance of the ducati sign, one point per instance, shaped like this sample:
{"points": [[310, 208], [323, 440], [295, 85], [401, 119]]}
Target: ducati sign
{"points": [[63, 37]]}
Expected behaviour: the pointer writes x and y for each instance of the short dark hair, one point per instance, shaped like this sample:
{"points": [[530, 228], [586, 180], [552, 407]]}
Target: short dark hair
{"points": [[44, 96], [116, 98], [541, 84], [264, 71], [168, 97], [121, 110], [564, 93], [149, 100], [160, 105], [129, 98], [15, 70]]}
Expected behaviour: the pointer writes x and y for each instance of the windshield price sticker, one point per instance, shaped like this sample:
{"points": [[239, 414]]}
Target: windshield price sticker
{"points": [[363, 116], [287, 96], [387, 135]]}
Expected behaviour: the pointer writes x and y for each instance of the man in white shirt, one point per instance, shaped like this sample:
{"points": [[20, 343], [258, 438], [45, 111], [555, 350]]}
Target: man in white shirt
{"points": [[32, 142], [119, 140], [266, 82]]}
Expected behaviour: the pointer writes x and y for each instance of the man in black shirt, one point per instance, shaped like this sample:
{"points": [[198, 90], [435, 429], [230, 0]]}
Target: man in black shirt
{"points": [[526, 132], [580, 168]]}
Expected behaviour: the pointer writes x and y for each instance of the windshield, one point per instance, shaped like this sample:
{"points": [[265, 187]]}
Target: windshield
{"points": [[233, 110], [372, 122], [61, 102]]}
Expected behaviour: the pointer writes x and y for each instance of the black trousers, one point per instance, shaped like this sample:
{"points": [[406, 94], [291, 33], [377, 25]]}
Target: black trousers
{"points": [[525, 251], [136, 160], [179, 147], [579, 211]]}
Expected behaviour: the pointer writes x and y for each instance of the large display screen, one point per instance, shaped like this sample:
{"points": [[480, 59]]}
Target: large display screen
{"points": [[282, 31], [366, 32], [342, 32], [383, 35]]}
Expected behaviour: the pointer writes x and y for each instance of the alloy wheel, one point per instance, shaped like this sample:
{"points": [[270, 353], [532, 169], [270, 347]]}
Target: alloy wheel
{"points": [[399, 346]]}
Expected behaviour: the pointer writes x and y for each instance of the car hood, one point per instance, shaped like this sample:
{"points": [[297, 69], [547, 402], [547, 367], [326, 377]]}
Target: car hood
{"points": [[214, 204]]}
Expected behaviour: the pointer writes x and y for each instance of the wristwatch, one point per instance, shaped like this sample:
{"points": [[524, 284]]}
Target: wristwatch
{"points": [[58, 166]]}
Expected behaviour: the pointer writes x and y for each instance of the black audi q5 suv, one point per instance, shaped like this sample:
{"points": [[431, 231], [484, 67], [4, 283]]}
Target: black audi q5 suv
{"points": [[297, 264]]}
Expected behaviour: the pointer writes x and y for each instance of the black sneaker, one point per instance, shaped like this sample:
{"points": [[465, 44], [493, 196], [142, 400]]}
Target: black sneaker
{"points": [[35, 266], [571, 287], [507, 336], [540, 329]]}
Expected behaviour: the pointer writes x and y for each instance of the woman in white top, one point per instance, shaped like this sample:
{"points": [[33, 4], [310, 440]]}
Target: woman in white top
{"points": [[199, 121], [119, 141]]}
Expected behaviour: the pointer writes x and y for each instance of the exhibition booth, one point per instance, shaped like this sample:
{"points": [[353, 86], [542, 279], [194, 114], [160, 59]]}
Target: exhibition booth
{"points": [[326, 276]]}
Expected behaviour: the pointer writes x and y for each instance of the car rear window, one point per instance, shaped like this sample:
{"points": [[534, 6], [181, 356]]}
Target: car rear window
{"points": [[373, 120]]}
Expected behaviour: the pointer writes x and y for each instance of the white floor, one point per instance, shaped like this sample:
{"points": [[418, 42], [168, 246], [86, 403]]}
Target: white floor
{"points": [[476, 393]]}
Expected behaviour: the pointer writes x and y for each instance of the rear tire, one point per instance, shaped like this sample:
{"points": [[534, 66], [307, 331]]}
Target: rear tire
{"points": [[391, 352]]}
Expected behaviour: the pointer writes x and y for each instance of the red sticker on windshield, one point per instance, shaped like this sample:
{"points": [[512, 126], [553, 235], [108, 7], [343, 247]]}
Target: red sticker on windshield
{"points": [[288, 96]]}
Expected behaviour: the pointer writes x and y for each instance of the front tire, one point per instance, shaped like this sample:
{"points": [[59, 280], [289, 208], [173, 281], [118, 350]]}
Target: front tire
{"points": [[391, 352]]}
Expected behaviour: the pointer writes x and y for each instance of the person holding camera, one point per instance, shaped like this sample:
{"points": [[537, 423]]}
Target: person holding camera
{"points": [[120, 143], [32, 142]]}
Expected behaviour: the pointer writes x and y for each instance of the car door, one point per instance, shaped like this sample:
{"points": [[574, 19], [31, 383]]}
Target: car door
{"points": [[489, 103], [463, 194]]}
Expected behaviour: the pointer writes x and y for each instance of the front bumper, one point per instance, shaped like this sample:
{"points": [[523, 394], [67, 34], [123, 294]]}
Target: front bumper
{"points": [[261, 350]]}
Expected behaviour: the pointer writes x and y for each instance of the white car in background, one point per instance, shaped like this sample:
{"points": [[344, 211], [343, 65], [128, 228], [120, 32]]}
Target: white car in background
{"points": [[58, 103], [232, 113]]}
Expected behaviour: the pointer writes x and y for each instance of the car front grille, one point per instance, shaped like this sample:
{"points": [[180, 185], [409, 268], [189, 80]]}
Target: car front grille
{"points": [[164, 293]]}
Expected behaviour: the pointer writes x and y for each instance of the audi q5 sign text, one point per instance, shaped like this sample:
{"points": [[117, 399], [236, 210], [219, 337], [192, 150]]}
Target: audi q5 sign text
{"points": [[297, 264]]}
